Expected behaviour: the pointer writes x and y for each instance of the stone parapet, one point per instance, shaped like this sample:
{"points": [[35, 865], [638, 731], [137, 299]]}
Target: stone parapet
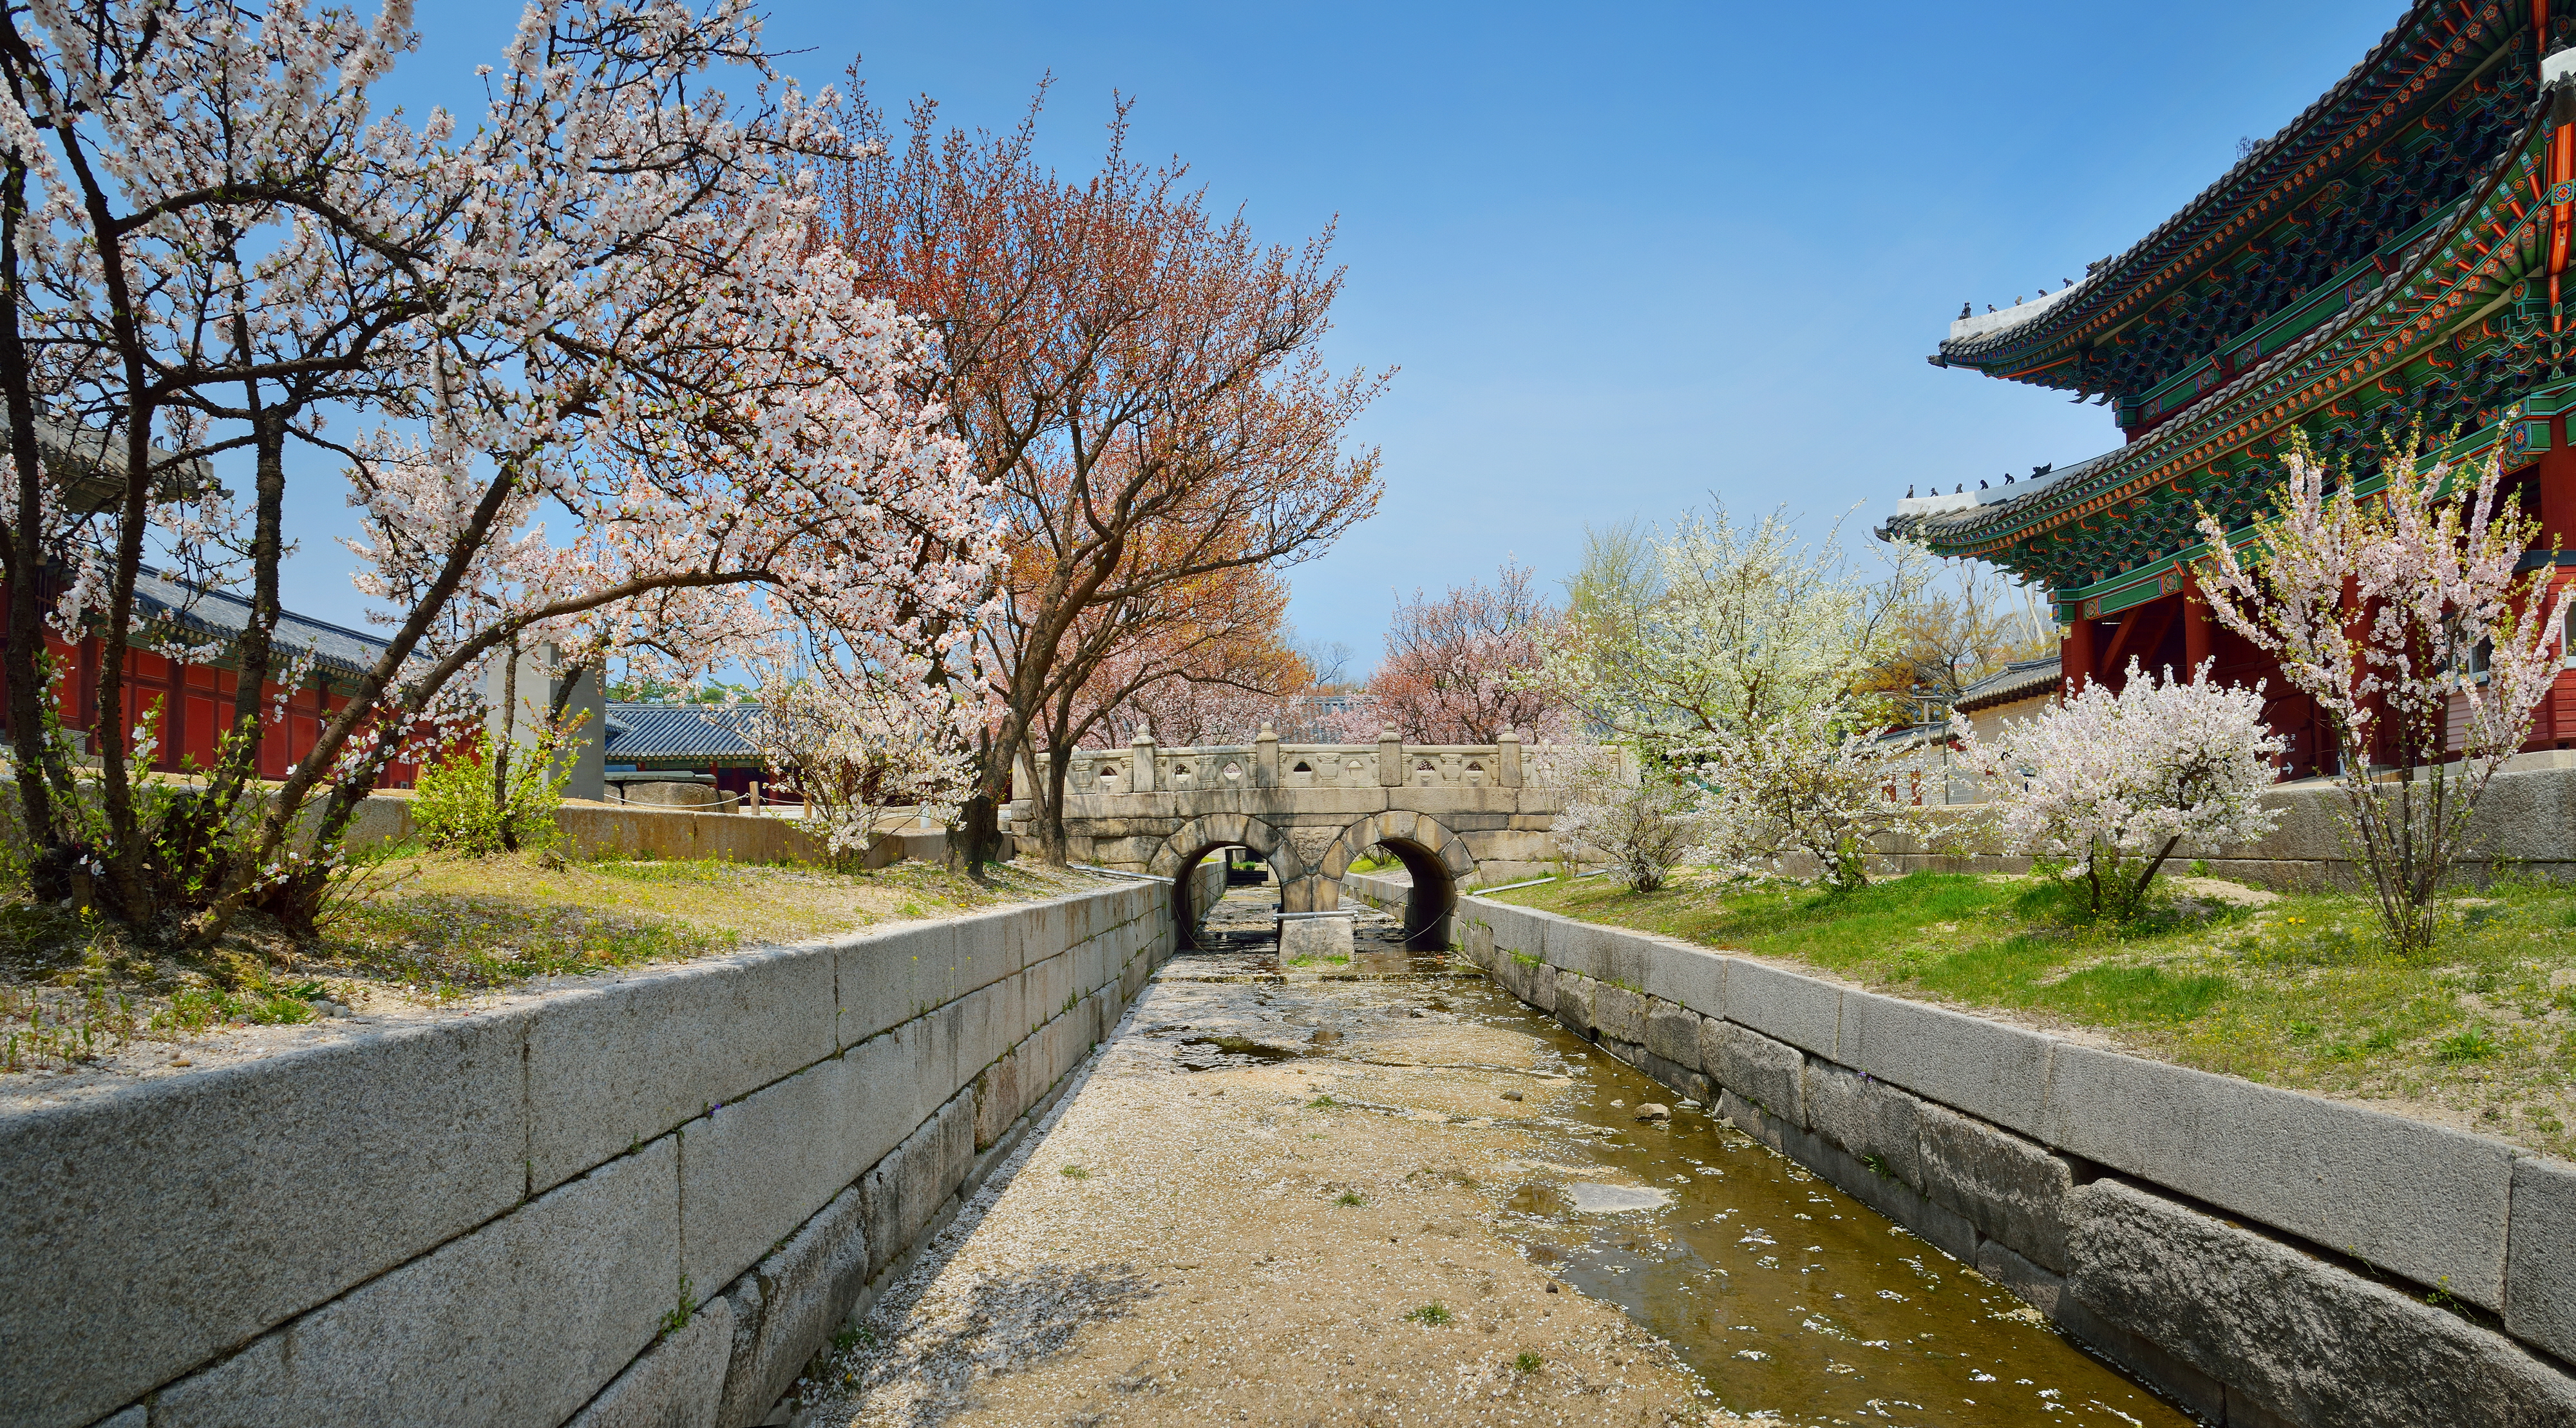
{"points": [[493, 1218], [2092, 1184]]}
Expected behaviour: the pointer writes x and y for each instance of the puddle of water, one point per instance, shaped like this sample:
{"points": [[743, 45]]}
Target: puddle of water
{"points": [[1797, 1304], [1587, 1199]]}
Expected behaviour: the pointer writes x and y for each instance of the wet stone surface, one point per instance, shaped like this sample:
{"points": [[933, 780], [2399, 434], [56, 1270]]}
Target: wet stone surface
{"points": [[1385, 1192]]}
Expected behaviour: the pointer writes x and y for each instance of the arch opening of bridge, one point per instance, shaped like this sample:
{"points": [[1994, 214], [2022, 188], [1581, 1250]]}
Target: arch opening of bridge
{"points": [[1450, 813], [1188, 913]]}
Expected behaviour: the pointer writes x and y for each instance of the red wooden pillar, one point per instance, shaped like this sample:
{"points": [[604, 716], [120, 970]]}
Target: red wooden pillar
{"points": [[2556, 481], [2199, 630], [2075, 654]]}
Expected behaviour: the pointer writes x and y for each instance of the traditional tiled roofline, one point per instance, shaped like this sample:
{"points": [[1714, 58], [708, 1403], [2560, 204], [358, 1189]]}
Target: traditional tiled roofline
{"points": [[2016, 681], [2460, 273], [705, 733], [2435, 36]]}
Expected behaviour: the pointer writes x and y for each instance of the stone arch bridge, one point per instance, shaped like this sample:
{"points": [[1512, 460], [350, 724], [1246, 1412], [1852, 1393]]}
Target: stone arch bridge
{"points": [[1454, 815]]}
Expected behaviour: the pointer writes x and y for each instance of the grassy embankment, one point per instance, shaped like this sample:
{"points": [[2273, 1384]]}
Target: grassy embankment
{"points": [[431, 929], [2295, 990]]}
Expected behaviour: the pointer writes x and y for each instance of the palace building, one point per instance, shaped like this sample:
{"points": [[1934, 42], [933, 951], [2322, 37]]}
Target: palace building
{"points": [[2395, 258]]}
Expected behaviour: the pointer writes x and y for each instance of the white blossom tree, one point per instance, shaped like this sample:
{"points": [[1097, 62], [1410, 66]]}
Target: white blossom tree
{"points": [[1811, 781], [1673, 639], [2110, 784], [604, 297], [2407, 617]]}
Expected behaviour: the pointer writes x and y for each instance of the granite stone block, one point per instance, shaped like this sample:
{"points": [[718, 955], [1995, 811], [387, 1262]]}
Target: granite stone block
{"points": [[789, 1305], [1992, 1071], [1785, 1006], [2416, 1199], [755, 1166], [1618, 1013], [674, 1384], [1756, 1069], [2011, 1189], [521, 1321], [174, 1219], [887, 978], [2303, 1338], [1871, 1119], [614, 1065], [1672, 1032], [2540, 1268], [2033, 1285], [1687, 976], [1574, 1001]]}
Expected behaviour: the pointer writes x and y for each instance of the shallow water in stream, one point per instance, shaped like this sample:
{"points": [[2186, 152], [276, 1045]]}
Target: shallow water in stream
{"points": [[1795, 1303]]}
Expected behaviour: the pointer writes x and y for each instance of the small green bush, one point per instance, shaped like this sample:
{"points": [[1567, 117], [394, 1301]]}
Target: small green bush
{"points": [[456, 808]]}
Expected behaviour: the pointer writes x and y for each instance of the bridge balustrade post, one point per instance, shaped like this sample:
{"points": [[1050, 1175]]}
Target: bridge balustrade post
{"points": [[1265, 757], [1140, 761], [1390, 758], [1507, 760]]}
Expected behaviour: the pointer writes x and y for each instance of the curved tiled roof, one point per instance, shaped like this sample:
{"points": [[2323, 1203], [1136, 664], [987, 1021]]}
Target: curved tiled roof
{"points": [[208, 616], [2020, 679], [2224, 420], [2263, 181], [712, 732]]}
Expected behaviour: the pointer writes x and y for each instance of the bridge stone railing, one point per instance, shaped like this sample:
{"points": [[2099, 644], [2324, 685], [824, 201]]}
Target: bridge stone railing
{"points": [[1143, 767]]}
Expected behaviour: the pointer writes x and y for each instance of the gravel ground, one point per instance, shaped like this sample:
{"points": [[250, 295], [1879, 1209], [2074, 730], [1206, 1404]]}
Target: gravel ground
{"points": [[1266, 1204]]}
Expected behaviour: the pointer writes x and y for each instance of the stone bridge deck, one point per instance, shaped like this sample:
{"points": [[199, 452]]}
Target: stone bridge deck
{"points": [[1452, 814]]}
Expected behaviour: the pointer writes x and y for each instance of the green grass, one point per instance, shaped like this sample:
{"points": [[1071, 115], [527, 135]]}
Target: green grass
{"points": [[447, 945], [2301, 992], [1434, 1313]]}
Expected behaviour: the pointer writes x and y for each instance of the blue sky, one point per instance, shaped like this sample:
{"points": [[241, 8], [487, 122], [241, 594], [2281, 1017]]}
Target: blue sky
{"points": [[1626, 257]]}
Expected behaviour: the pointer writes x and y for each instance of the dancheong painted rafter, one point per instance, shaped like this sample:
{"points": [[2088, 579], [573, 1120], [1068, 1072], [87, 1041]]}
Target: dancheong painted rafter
{"points": [[2394, 260]]}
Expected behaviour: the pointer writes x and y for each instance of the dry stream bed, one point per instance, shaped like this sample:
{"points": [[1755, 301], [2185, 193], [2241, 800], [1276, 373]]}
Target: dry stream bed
{"points": [[1386, 1192]]}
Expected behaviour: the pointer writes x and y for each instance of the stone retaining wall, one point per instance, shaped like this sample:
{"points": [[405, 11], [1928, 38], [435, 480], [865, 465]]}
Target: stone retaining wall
{"points": [[650, 1200], [2526, 822], [605, 830], [2263, 1257]]}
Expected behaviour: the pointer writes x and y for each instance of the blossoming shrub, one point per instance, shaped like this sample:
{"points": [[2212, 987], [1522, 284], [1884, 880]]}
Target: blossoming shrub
{"points": [[2111, 783], [1644, 823], [1808, 782], [2412, 620]]}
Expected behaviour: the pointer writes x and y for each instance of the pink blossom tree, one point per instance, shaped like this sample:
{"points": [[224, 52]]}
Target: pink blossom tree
{"points": [[2407, 618], [2111, 784], [603, 298]]}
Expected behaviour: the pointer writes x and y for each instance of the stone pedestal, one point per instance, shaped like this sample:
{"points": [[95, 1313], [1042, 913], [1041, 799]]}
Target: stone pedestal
{"points": [[1314, 937]]}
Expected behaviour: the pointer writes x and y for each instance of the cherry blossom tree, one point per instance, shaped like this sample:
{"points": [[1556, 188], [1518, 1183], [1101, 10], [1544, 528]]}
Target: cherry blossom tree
{"points": [[1816, 781], [604, 299], [2407, 617], [2113, 783], [1462, 668], [858, 751]]}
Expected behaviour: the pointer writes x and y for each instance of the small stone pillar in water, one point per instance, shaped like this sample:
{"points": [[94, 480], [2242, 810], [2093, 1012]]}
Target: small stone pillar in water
{"points": [[1315, 935]]}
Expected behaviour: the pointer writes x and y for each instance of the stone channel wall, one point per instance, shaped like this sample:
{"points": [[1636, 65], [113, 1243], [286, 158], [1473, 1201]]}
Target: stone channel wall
{"points": [[650, 1200], [2263, 1257]]}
